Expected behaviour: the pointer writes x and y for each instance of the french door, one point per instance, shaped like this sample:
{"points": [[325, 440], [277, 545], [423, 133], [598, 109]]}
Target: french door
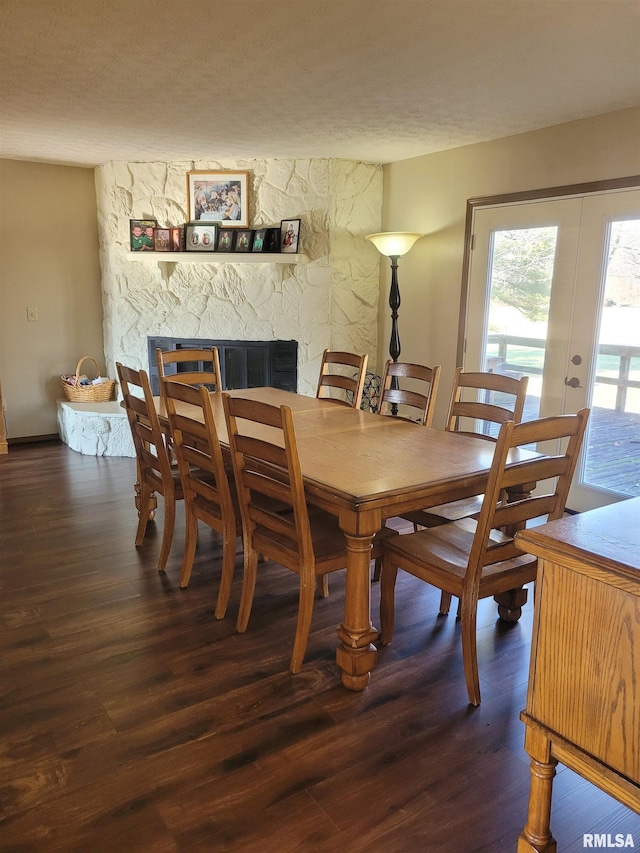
{"points": [[554, 293]]}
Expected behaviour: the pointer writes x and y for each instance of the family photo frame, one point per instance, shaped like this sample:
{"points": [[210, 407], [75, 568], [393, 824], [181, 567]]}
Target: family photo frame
{"points": [[226, 240], [219, 197], [289, 235], [244, 240], [259, 240], [141, 233], [162, 239], [200, 237]]}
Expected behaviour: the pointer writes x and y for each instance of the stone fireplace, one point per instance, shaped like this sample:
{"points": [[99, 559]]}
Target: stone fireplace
{"points": [[330, 299]]}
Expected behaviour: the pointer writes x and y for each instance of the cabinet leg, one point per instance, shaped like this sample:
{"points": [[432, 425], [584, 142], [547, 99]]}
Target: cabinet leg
{"points": [[536, 836]]}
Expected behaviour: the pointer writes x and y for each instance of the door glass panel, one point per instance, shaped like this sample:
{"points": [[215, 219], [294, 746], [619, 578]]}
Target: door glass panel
{"points": [[613, 445], [520, 278]]}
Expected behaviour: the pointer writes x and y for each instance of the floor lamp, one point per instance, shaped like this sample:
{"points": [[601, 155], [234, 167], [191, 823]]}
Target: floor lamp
{"points": [[394, 244]]}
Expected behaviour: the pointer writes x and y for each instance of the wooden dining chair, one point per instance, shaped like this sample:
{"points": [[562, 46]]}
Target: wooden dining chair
{"points": [[208, 495], [156, 474], [191, 366], [306, 540], [420, 398], [419, 395], [478, 402], [350, 378], [476, 558]]}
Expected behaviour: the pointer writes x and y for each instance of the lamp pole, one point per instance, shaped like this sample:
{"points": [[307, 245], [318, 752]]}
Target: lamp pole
{"points": [[394, 304], [394, 244]]}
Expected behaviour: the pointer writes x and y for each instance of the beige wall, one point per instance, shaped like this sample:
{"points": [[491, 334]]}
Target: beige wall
{"points": [[429, 194], [48, 261]]}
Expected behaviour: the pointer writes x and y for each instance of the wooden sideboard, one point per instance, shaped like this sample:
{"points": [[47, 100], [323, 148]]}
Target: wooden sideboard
{"points": [[583, 702], [4, 447]]}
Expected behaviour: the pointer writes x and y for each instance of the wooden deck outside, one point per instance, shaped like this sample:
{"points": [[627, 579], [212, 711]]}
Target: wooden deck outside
{"points": [[613, 444]]}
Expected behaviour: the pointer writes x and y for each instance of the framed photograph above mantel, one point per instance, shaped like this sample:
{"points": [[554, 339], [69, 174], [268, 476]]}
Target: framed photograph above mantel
{"points": [[220, 197]]}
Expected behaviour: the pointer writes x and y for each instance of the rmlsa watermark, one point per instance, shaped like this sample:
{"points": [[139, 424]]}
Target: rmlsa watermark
{"points": [[605, 839]]}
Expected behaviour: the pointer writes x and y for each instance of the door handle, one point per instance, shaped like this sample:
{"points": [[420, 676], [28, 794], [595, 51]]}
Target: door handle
{"points": [[574, 382]]}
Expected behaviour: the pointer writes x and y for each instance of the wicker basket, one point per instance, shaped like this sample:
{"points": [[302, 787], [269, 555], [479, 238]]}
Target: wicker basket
{"points": [[78, 393]]}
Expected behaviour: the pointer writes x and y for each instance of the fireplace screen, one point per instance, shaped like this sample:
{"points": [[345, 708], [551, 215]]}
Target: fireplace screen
{"points": [[243, 364]]}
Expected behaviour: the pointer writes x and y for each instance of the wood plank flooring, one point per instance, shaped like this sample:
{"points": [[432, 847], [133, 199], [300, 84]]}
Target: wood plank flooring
{"points": [[132, 720]]}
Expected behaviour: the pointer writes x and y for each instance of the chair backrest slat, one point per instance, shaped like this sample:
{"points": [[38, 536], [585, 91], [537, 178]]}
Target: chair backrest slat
{"points": [[482, 405], [422, 400], [168, 361], [349, 381]]}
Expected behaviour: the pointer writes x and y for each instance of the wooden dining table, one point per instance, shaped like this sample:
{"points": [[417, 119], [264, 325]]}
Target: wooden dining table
{"points": [[365, 468]]}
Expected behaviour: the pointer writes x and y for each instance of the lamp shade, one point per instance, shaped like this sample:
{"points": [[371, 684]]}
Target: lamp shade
{"points": [[393, 244]]}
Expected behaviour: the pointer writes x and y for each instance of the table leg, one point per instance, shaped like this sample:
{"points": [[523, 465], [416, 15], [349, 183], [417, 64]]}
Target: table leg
{"points": [[356, 654], [536, 836]]}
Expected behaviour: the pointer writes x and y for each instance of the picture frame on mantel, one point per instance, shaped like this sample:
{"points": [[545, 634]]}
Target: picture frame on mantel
{"points": [[161, 239], [226, 240], [258, 244], [220, 197], [244, 239], [289, 235], [141, 234], [272, 240], [200, 237]]}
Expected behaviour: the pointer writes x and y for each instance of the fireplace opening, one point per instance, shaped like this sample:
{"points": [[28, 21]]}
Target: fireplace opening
{"points": [[243, 364]]}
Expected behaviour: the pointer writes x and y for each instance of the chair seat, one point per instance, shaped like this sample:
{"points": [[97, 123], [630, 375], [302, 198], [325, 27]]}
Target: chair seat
{"points": [[445, 550], [329, 545], [328, 539]]}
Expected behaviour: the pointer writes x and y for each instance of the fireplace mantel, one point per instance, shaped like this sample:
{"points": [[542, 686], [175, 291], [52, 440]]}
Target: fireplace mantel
{"points": [[218, 257]]}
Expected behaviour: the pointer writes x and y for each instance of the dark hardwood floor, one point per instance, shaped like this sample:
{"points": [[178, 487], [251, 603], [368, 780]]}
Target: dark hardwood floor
{"points": [[132, 720]]}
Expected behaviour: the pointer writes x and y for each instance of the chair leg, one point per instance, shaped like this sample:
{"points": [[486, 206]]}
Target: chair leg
{"points": [[248, 588], [167, 530], [145, 501], [305, 612], [226, 578], [322, 586], [387, 599], [445, 603], [377, 569], [190, 542], [469, 649]]}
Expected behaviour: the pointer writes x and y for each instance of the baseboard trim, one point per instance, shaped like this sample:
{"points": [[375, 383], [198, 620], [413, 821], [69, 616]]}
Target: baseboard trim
{"points": [[34, 439]]}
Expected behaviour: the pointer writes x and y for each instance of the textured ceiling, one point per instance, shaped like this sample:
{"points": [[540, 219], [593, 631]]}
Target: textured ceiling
{"points": [[84, 82]]}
